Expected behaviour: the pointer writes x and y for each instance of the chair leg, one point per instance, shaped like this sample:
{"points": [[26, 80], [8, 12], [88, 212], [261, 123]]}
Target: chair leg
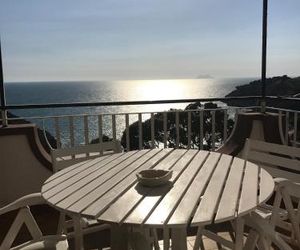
{"points": [[251, 240], [263, 244], [199, 241], [294, 238], [275, 211], [292, 215]]}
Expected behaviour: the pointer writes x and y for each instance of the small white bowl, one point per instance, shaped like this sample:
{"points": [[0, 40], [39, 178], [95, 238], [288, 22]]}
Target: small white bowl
{"points": [[154, 177]]}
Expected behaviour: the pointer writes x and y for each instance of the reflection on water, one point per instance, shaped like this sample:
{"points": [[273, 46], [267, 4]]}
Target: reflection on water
{"points": [[159, 89]]}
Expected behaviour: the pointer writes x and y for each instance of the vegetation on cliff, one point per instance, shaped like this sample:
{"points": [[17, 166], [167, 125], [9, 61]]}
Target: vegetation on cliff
{"points": [[183, 128]]}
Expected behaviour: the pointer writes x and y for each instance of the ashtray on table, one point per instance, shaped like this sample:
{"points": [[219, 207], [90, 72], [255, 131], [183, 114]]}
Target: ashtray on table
{"points": [[154, 177]]}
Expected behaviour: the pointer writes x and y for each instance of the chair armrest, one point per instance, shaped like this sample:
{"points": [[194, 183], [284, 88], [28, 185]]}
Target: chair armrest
{"points": [[279, 180], [27, 200], [91, 229]]}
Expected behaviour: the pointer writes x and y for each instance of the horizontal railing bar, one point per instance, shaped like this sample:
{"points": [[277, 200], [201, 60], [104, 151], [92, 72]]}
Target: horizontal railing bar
{"points": [[130, 113], [285, 98], [124, 103], [147, 112], [285, 110]]}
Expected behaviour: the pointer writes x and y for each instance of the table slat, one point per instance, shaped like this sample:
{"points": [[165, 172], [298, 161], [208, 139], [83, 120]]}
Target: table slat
{"points": [[208, 204], [68, 172], [189, 202], [128, 201], [84, 188], [145, 207], [167, 205], [86, 175], [76, 166], [249, 193], [97, 207], [266, 185], [81, 205], [229, 200]]}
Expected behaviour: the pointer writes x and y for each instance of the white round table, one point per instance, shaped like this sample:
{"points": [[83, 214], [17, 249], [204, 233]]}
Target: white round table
{"points": [[206, 187]]}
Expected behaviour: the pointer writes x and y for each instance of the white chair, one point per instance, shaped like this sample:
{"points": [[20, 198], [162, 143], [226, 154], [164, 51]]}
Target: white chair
{"points": [[64, 157], [289, 193], [24, 216], [283, 163], [280, 161], [263, 233]]}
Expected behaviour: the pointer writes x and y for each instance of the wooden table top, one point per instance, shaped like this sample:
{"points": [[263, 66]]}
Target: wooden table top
{"points": [[206, 187]]}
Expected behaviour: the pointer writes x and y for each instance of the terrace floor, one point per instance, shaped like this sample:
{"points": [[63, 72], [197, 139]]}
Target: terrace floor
{"points": [[47, 218]]}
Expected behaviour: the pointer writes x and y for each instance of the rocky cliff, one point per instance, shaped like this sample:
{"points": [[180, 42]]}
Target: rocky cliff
{"points": [[280, 86]]}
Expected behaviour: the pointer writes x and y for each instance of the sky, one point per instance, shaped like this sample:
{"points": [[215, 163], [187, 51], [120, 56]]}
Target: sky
{"points": [[145, 39]]}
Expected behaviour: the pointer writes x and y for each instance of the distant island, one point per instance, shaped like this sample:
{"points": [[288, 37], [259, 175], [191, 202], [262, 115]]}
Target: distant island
{"points": [[204, 76], [281, 86]]}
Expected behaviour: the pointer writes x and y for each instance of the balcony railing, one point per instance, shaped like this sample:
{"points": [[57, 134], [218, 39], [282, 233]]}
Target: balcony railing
{"points": [[194, 128]]}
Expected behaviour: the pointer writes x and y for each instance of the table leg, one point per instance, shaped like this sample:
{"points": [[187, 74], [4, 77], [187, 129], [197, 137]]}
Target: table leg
{"points": [[78, 232], [140, 239], [179, 239], [119, 237], [166, 233], [61, 227], [239, 233]]}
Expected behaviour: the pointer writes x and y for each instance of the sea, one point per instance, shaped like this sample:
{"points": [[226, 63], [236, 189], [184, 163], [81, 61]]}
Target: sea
{"points": [[109, 91]]}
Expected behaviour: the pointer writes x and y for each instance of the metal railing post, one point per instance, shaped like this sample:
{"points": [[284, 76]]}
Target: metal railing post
{"points": [[3, 102], [263, 105], [264, 55], [4, 118]]}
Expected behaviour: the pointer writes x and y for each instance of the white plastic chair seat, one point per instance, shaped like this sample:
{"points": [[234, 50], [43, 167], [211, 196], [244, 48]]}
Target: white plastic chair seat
{"points": [[50, 242], [24, 217]]}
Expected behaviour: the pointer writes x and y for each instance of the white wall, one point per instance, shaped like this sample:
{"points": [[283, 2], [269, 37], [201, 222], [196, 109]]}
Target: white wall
{"points": [[21, 172]]}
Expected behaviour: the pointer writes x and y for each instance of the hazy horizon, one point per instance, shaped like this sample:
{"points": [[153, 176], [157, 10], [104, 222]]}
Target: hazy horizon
{"points": [[131, 80], [107, 40]]}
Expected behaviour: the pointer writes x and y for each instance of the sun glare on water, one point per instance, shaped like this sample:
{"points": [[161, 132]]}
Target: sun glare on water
{"points": [[158, 89]]}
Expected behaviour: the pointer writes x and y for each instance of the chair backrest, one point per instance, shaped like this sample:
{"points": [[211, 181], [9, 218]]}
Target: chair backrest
{"points": [[65, 157], [279, 160]]}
